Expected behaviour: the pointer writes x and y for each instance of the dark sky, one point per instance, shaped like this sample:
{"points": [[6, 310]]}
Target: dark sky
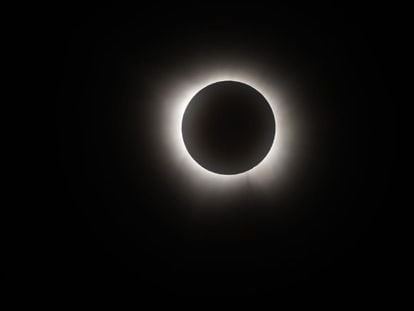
{"points": [[119, 222]]}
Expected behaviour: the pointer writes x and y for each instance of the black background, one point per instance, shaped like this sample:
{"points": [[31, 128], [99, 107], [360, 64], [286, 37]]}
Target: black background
{"points": [[117, 223]]}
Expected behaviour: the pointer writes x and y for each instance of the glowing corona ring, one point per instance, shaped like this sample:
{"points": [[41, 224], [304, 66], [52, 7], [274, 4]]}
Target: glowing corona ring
{"points": [[187, 169]]}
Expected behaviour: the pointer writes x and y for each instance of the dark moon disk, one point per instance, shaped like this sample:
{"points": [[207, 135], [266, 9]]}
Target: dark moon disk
{"points": [[228, 127]]}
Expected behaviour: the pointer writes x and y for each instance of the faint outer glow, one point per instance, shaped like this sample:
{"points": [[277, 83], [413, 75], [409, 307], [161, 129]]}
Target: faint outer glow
{"points": [[187, 170]]}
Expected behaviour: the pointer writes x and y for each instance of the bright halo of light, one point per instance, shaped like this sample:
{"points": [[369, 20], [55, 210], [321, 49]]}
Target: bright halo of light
{"points": [[187, 169]]}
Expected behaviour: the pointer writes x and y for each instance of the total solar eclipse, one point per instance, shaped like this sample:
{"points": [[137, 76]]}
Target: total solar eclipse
{"points": [[228, 127]]}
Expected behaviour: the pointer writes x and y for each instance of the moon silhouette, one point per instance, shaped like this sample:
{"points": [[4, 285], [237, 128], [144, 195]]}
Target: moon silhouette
{"points": [[228, 127]]}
